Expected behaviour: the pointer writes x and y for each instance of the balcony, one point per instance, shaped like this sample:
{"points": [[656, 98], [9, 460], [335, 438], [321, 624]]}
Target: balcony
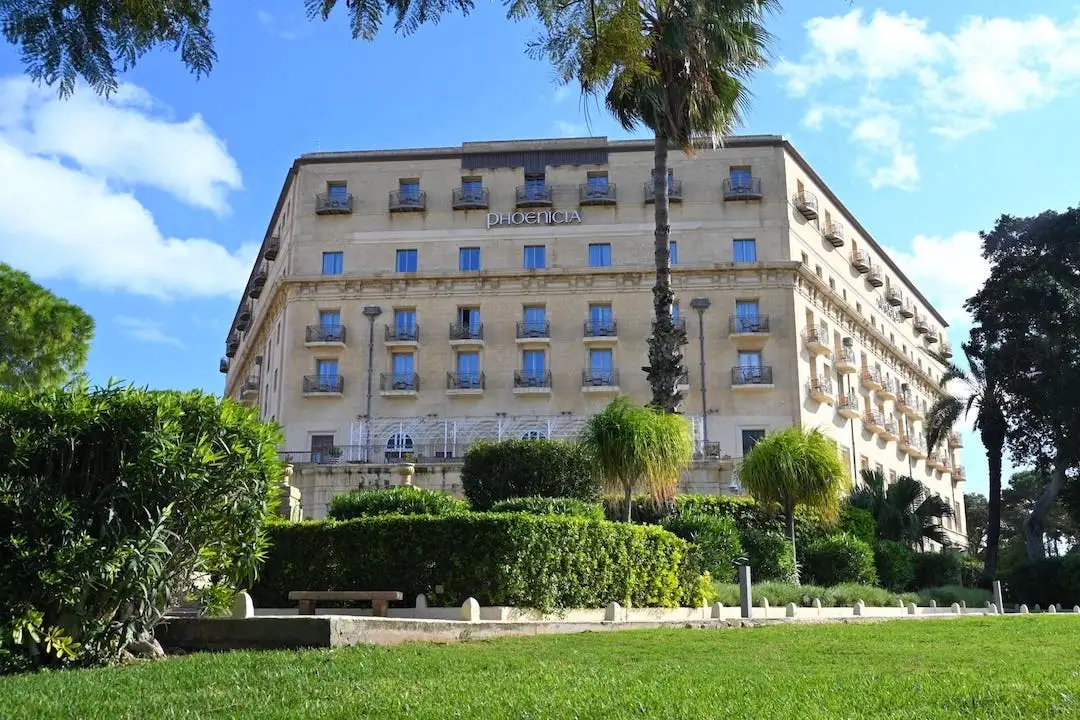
{"points": [[888, 431], [466, 383], [333, 204], [806, 204], [903, 402], [250, 387], [860, 260], [903, 442], [674, 191], [894, 297], [600, 380], [873, 422], [959, 474], [399, 384], [243, 317], [876, 276], [527, 196], [920, 324], [461, 334], [848, 406], [533, 332], [232, 345], [887, 391], [844, 362], [748, 331], [752, 378], [601, 331], [834, 234], [946, 350], [871, 379], [906, 311], [934, 461], [401, 335], [917, 449], [742, 189], [408, 200], [324, 386], [470, 198], [324, 336], [258, 281], [916, 412], [821, 390], [532, 382], [596, 194], [817, 340], [932, 336], [223, 366], [273, 246], [955, 441]]}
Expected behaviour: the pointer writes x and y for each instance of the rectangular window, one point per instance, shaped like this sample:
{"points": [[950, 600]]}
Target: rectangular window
{"points": [[535, 319], [747, 316], [532, 363], [469, 318], [403, 366], [535, 257], [469, 258], [326, 368], [600, 315], [750, 438], [674, 253], [468, 368], [338, 192], [405, 323], [410, 189], [745, 251], [599, 255], [601, 368], [670, 177], [406, 261], [332, 263], [535, 188], [741, 178], [472, 187], [329, 319], [321, 445], [597, 184]]}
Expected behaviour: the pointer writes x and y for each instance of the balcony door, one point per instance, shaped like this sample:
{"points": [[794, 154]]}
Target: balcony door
{"points": [[533, 365], [750, 367], [746, 315], [404, 368], [468, 368], [601, 367]]}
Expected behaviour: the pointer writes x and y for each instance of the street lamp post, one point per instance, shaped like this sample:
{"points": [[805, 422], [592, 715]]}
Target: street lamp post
{"points": [[370, 312], [701, 305]]}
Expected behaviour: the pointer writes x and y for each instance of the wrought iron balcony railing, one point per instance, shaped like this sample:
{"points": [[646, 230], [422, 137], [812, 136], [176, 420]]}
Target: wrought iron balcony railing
{"points": [[596, 195], [461, 331], [470, 198], [324, 384], [742, 189], [465, 381], [674, 191], [333, 203], [408, 200], [533, 195], [599, 377], [601, 328], [402, 381], [532, 378], [402, 333], [527, 329], [325, 334], [759, 375]]}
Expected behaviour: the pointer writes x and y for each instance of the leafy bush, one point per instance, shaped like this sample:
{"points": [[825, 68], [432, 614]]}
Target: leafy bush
{"points": [[935, 569], [769, 556], [113, 502], [550, 506], [403, 500], [780, 594], [496, 471], [971, 571], [510, 559], [949, 594], [858, 523], [1045, 582], [716, 537], [839, 559], [895, 564]]}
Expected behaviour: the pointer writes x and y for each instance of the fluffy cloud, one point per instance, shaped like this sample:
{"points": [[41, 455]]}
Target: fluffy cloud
{"points": [[72, 212], [950, 84], [949, 270], [149, 331]]}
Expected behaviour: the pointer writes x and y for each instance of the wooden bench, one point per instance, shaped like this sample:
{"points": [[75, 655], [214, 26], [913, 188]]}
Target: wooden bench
{"points": [[379, 599]]}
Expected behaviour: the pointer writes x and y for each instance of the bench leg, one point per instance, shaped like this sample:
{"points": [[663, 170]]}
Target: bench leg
{"points": [[380, 608], [307, 607]]}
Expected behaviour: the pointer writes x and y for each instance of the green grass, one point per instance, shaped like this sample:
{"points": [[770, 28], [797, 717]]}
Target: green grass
{"points": [[780, 594], [1016, 667]]}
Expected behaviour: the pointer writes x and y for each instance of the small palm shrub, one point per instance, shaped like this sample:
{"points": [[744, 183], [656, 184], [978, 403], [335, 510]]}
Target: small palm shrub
{"points": [[716, 537], [895, 563], [769, 556], [551, 506], [405, 500], [839, 559]]}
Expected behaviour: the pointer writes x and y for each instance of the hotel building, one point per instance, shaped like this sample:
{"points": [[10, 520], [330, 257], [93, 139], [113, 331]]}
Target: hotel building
{"points": [[406, 303]]}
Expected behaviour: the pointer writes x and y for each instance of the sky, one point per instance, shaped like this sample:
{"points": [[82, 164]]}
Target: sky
{"points": [[929, 119]]}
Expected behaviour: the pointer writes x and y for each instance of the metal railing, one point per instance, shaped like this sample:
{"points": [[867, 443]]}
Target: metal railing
{"points": [[324, 384], [243, 318], [596, 195], [599, 377], [258, 281], [818, 335], [273, 246], [390, 382], [465, 381], [674, 191], [742, 189], [872, 419], [760, 375], [744, 324], [920, 323], [871, 376], [526, 329], [533, 195], [223, 365], [407, 200], [894, 296], [532, 378], [325, 334], [823, 386], [601, 328], [806, 203], [834, 234], [378, 454], [848, 402], [402, 333], [470, 198], [860, 260], [844, 355], [333, 203], [876, 276], [461, 331], [889, 427]]}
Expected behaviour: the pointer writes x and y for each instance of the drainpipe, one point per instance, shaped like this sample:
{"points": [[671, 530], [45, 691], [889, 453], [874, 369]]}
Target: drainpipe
{"points": [[370, 312], [701, 305]]}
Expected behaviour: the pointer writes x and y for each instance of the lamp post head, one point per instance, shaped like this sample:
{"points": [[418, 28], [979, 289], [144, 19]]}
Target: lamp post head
{"points": [[372, 311], [700, 304]]}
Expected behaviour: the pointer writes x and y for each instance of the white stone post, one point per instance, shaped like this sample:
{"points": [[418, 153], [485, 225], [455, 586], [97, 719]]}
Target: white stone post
{"points": [[997, 595], [789, 610], [470, 610], [421, 602], [242, 606], [1023, 610], [1051, 609], [859, 607], [613, 612], [717, 610], [911, 607], [956, 610]]}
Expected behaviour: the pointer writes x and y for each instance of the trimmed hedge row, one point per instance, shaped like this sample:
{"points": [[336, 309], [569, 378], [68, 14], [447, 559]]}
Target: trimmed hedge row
{"points": [[404, 500], [550, 506], [495, 471], [543, 562]]}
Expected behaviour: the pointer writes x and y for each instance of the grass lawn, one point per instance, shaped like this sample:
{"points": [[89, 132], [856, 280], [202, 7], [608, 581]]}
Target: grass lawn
{"points": [[1018, 667]]}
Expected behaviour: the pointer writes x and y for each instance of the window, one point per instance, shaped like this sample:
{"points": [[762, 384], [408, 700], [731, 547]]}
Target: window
{"points": [[326, 369], [469, 258], [741, 178], [892, 477], [600, 317], [750, 439], [406, 260], [675, 313], [879, 469], [674, 253], [472, 189], [535, 319], [747, 314], [329, 319], [817, 270], [322, 447], [832, 284], [746, 251], [596, 184], [601, 367], [337, 193], [534, 187], [409, 189], [532, 365], [534, 435], [805, 259], [469, 320], [404, 367], [749, 371], [468, 368], [398, 445], [535, 257], [599, 254], [405, 324], [864, 462], [332, 263]]}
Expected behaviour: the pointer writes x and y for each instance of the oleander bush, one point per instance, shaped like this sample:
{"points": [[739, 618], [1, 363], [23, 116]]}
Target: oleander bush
{"points": [[404, 500], [895, 563], [113, 503], [839, 559], [495, 471], [716, 537], [551, 506], [516, 559], [937, 569]]}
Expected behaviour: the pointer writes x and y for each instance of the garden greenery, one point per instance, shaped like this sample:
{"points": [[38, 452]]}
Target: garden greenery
{"points": [[495, 471], [839, 559], [404, 500], [716, 537], [550, 506]]}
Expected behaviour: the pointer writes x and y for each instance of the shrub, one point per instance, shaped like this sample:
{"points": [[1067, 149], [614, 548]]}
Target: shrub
{"points": [[971, 571], [858, 523], [839, 559], [528, 468], [895, 564], [403, 500], [780, 594], [769, 556], [717, 539], [1045, 582], [934, 569], [112, 501], [510, 559], [550, 506], [949, 594]]}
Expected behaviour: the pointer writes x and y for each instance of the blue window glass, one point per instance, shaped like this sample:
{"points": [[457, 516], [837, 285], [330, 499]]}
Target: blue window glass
{"points": [[410, 189], [468, 368], [740, 178], [326, 368], [403, 366], [406, 260], [535, 257], [536, 319], [746, 251], [472, 187], [469, 318], [338, 193], [599, 255], [405, 324], [674, 253], [535, 188], [600, 359], [600, 313], [675, 312], [532, 363], [329, 319], [747, 316], [332, 263], [469, 259]]}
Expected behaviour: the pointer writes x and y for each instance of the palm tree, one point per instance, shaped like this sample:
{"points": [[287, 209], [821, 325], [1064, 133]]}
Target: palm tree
{"points": [[795, 467], [983, 396], [638, 447], [905, 511], [678, 69]]}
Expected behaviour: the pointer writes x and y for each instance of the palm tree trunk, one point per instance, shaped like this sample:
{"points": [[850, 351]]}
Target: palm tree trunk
{"points": [[791, 534], [628, 499], [665, 353], [1036, 521], [993, 529]]}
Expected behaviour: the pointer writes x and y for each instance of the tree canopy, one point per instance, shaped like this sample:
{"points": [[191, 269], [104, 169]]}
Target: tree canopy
{"points": [[44, 339], [904, 511]]}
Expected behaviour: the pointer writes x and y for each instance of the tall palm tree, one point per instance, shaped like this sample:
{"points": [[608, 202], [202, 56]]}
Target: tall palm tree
{"points": [[678, 69], [795, 467], [638, 447], [983, 396], [905, 511]]}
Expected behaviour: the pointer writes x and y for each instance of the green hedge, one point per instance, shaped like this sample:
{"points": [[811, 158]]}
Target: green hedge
{"points": [[495, 471], [716, 537], [895, 563], [513, 559], [971, 571], [394, 501], [935, 569], [550, 506], [768, 554], [839, 559], [1046, 581]]}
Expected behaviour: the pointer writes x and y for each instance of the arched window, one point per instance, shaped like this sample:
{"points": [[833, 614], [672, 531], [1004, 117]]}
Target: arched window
{"points": [[534, 435], [398, 445]]}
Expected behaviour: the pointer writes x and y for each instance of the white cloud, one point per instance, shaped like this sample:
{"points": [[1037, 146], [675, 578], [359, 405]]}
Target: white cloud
{"points": [[948, 269], [880, 135], [60, 218], [570, 129], [264, 17], [149, 331], [562, 92], [270, 23]]}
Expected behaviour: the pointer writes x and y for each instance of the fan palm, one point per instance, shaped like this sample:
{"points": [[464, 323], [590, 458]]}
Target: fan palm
{"points": [[904, 511], [983, 396], [795, 467]]}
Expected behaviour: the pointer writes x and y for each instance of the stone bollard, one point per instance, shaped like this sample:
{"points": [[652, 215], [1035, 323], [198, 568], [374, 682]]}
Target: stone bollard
{"points": [[242, 606], [789, 610], [421, 602], [963, 604], [900, 604], [1037, 608], [1023, 610], [1051, 609], [746, 592], [765, 607], [998, 600], [470, 610], [1076, 608], [991, 608], [933, 604], [717, 610], [911, 607], [859, 607], [955, 608], [1058, 606], [817, 605], [613, 612]]}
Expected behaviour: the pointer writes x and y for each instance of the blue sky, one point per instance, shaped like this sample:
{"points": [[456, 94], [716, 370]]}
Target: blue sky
{"points": [[930, 119]]}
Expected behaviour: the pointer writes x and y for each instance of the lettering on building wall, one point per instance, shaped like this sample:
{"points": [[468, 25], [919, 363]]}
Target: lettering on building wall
{"points": [[536, 217]]}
